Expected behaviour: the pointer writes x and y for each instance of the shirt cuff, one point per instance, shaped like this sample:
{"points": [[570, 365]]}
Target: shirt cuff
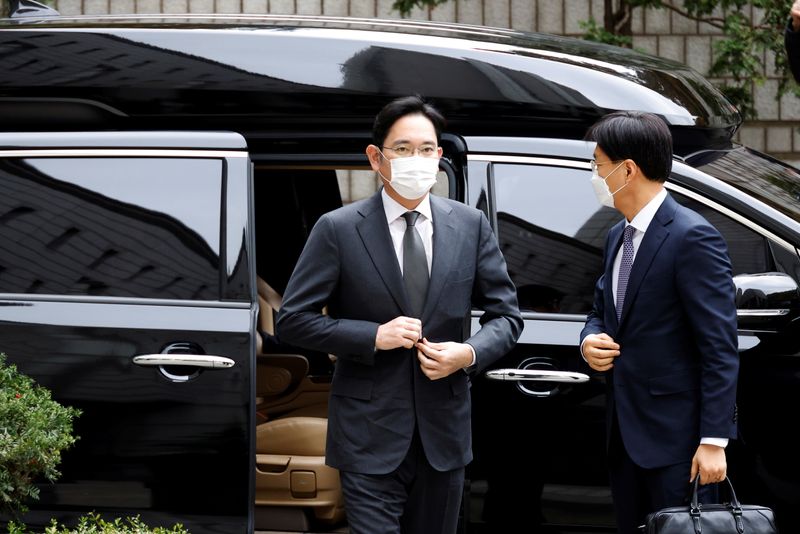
{"points": [[719, 442], [582, 356], [468, 368]]}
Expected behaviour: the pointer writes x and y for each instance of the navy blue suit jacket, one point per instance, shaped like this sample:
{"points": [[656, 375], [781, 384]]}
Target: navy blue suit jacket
{"points": [[675, 379], [377, 398]]}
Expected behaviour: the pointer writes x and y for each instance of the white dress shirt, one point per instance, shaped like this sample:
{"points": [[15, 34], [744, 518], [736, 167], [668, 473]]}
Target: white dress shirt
{"points": [[641, 222], [424, 225], [397, 225]]}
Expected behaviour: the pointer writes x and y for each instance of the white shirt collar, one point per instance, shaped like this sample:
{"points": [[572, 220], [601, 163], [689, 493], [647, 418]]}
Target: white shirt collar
{"points": [[394, 210], [645, 216]]}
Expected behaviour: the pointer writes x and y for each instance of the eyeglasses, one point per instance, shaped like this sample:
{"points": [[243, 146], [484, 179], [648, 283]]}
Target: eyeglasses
{"points": [[595, 165], [406, 151]]}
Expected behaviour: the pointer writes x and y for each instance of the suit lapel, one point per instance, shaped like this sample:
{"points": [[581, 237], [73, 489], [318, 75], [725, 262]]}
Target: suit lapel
{"points": [[653, 239], [374, 232], [445, 243]]}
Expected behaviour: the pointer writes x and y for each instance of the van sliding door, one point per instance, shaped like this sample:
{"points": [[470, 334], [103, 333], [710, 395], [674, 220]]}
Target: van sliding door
{"points": [[125, 289]]}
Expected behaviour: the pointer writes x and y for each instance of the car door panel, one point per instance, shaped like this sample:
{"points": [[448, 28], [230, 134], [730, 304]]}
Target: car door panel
{"points": [[114, 252], [138, 428], [549, 435]]}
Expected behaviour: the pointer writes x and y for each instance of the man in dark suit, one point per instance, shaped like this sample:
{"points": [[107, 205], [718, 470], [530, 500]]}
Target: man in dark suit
{"points": [[663, 327], [399, 273]]}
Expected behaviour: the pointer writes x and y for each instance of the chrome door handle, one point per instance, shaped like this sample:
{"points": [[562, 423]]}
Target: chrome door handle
{"points": [[778, 312], [538, 375], [206, 361]]}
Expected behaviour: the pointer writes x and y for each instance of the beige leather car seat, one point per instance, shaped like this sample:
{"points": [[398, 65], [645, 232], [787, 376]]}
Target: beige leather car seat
{"points": [[291, 475]]}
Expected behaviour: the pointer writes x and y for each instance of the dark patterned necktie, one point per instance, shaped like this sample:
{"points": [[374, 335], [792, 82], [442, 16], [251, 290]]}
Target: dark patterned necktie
{"points": [[415, 265], [625, 268]]}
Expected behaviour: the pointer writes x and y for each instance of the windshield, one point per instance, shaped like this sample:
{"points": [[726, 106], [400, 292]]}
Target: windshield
{"points": [[771, 181]]}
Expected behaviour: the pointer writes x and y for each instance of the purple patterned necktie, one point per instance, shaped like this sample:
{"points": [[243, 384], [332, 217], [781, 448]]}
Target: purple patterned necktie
{"points": [[625, 268]]}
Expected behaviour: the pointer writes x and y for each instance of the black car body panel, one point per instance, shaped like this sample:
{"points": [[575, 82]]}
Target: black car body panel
{"points": [[131, 212], [120, 72]]}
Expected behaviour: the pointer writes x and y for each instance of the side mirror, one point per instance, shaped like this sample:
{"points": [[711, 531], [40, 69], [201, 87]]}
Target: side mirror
{"points": [[766, 302]]}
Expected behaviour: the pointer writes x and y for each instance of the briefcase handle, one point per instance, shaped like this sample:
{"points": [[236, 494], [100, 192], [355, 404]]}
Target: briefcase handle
{"points": [[735, 506]]}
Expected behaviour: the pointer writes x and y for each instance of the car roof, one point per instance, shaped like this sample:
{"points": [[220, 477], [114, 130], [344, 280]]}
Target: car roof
{"points": [[338, 70]]}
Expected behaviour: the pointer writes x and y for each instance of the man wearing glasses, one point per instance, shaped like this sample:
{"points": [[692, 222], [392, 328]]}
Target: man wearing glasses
{"points": [[662, 328], [400, 272]]}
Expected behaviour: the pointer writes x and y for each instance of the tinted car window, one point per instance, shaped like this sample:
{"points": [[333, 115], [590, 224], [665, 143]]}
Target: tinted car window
{"points": [[747, 249], [770, 181], [110, 226], [552, 231]]}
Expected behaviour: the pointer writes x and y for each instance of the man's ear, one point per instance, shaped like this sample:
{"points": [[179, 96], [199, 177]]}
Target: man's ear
{"points": [[631, 169], [374, 157]]}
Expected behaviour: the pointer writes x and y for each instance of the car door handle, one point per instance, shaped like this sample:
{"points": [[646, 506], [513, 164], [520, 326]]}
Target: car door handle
{"points": [[777, 312], [206, 361], [565, 377]]}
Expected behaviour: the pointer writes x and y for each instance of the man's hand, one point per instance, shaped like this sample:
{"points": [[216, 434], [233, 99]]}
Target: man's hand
{"points": [[600, 350], [795, 14], [438, 360], [399, 332], [709, 461]]}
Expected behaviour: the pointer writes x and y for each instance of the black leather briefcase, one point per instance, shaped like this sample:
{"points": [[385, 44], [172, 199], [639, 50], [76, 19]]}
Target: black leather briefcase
{"points": [[698, 518]]}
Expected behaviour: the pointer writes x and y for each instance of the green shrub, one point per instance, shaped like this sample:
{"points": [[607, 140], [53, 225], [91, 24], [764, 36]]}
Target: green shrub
{"points": [[93, 524], [34, 429]]}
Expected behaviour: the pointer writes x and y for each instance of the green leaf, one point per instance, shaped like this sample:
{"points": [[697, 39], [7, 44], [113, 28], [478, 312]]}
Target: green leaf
{"points": [[404, 7], [598, 34]]}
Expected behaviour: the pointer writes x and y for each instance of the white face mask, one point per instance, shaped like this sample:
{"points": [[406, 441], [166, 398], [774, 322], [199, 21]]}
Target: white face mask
{"points": [[601, 190], [412, 177]]}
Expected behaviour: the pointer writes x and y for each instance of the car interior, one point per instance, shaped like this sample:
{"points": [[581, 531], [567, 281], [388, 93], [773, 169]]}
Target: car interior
{"points": [[293, 485], [295, 490]]}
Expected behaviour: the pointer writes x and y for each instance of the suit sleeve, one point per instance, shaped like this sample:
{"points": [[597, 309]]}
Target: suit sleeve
{"points": [[791, 40], [705, 284], [313, 282], [495, 294], [594, 320]]}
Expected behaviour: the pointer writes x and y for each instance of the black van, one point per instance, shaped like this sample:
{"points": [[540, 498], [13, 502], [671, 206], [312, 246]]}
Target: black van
{"points": [[159, 176]]}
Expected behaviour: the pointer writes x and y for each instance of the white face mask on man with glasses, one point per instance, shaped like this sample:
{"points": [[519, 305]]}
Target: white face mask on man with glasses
{"points": [[413, 169]]}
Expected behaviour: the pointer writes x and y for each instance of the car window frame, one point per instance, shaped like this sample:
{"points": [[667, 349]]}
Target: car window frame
{"points": [[223, 155]]}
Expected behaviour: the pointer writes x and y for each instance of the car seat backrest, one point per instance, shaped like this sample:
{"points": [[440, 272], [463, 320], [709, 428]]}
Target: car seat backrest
{"points": [[269, 302]]}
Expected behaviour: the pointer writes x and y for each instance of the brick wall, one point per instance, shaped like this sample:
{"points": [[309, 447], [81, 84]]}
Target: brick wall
{"points": [[655, 31]]}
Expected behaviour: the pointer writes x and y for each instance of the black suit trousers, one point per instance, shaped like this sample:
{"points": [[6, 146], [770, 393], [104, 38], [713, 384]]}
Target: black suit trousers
{"points": [[413, 499]]}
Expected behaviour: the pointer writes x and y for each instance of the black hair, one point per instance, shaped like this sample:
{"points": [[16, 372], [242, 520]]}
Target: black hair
{"points": [[642, 137], [399, 108]]}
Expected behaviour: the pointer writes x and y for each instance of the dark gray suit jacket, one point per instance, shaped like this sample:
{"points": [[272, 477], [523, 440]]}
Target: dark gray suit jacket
{"points": [[377, 398]]}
